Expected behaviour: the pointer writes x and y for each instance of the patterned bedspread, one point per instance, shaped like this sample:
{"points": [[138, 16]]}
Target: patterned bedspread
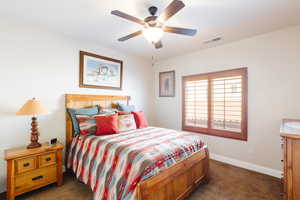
{"points": [[113, 165]]}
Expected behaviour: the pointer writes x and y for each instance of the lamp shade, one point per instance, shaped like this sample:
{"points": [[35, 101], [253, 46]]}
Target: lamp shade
{"points": [[32, 107]]}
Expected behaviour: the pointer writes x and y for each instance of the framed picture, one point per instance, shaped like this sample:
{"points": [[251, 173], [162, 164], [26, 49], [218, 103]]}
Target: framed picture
{"points": [[167, 84], [100, 72]]}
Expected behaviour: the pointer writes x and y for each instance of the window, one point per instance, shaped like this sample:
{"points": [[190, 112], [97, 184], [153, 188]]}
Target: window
{"points": [[216, 103]]}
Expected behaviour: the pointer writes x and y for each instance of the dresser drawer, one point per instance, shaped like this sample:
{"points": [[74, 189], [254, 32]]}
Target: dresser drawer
{"points": [[47, 159], [25, 164], [36, 178]]}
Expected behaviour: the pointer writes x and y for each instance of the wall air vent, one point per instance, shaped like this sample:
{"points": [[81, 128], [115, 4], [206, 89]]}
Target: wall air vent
{"points": [[212, 40]]}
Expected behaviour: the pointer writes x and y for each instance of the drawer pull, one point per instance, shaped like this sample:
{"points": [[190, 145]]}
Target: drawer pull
{"points": [[37, 178], [48, 159], [26, 164]]}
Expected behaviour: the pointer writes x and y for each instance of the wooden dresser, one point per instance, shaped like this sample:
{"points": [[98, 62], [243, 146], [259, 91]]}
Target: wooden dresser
{"points": [[290, 133], [29, 169]]}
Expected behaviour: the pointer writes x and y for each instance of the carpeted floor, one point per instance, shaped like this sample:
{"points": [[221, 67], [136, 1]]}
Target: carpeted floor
{"points": [[227, 183]]}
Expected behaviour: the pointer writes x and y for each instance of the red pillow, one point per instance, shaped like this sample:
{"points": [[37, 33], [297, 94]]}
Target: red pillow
{"points": [[107, 124], [140, 119]]}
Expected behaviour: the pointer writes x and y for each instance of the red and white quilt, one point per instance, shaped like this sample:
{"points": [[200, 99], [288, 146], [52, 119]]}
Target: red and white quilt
{"points": [[113, 165]]}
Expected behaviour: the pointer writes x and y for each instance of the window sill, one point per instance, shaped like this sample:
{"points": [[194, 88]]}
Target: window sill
{"points": [[219, 133]]}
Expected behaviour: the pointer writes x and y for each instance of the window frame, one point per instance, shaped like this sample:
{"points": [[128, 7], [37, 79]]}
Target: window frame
{"points": [[216, 132]]}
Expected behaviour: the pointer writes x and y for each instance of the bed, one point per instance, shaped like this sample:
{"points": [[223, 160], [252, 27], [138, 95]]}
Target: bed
{"points": [[170, 183]]}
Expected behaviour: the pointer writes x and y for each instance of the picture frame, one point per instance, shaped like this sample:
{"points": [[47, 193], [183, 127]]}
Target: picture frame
{"points": [[167, 84], [100, 72]]}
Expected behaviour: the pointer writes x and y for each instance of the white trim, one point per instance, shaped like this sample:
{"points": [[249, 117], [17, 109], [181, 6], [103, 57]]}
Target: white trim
{"points": [[246, 165]]}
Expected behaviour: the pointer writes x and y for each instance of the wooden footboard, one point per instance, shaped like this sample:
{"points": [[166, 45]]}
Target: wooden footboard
{"points": [[178, 181]]}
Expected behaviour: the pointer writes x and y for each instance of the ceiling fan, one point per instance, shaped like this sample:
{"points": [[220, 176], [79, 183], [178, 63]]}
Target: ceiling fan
{"points": [[154, 27]]}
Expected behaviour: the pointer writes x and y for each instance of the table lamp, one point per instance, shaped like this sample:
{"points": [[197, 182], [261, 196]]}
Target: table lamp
{"points": [[33, 107]]}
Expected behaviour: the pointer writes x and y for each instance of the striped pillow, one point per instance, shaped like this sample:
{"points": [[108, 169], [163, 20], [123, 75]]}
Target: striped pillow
{"points": [[109, 111], [126, 122], [87, 124], [81, 111]]}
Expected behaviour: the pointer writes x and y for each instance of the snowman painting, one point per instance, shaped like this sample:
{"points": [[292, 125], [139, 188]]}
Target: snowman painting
{"points": [[100, 72], [105, 73]]}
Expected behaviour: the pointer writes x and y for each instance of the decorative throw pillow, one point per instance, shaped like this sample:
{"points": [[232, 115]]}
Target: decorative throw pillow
{"points": [[126, 122], [124, 113], [107, 124], [126, 108], [109, 111], [140, 119], [82, 111], [87, 124]]}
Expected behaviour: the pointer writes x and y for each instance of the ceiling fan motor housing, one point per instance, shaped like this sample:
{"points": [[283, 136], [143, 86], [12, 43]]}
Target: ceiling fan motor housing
{"points": [[151, 20]]}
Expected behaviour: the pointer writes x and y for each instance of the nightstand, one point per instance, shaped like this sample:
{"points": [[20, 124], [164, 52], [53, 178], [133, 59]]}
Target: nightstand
{"points": [[29, 169]]}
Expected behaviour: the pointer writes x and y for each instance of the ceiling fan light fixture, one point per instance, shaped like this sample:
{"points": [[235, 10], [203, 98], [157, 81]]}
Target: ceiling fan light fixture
{"points": [[153, 34], [154, 25]]}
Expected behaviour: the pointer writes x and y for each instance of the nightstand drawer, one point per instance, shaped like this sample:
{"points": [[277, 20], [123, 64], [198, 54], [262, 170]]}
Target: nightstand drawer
{"points": [[47, 159], [35, 179], [25, 164]]}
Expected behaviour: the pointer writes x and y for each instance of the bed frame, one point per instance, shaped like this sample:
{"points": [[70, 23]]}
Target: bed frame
{"points": [[174, 183]]}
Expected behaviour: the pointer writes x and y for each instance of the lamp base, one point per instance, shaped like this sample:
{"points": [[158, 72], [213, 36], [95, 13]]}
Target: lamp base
{"points": [[34, 145], [34, 135]]}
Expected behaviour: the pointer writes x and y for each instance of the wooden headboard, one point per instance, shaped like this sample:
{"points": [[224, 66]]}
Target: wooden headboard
{"points": [[84, 101]]}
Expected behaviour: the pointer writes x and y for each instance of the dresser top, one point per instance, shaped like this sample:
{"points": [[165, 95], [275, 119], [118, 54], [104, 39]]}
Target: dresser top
{"points": [[290, 128], [23, 151]]}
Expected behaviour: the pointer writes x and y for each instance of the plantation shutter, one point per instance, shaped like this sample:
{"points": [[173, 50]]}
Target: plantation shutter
{"points": [[227, 103], [216, 103], [196, 103]]}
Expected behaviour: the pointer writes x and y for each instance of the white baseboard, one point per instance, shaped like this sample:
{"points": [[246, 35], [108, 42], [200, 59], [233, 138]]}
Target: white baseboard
{"points": [[246, 165]]}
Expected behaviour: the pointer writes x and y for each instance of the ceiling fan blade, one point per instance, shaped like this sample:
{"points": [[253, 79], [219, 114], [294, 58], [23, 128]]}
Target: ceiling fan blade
{"points": [[171, 10], [128, 17], [182, 31], [158, 45], [130, 36]]}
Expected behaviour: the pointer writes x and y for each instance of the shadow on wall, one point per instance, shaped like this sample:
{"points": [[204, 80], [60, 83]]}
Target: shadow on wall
{"points": [[2, 173], [53, 124], [5, 111]]}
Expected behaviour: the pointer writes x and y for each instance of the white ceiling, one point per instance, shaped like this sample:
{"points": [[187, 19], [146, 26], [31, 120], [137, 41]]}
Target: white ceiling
{"points": [[91, 19]]}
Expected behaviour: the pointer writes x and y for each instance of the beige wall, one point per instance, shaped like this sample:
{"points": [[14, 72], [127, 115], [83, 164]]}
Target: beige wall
{"points": [[273, 62], [38, 63]]}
